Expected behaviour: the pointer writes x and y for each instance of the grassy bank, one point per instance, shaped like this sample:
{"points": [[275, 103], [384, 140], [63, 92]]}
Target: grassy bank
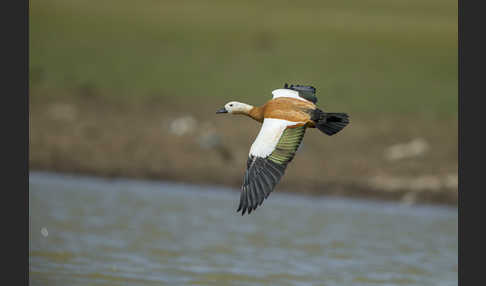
{"points": [[108, 79]]}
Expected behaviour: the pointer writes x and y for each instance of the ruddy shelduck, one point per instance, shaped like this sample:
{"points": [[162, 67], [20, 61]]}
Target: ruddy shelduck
{"points": [[285, 118]]}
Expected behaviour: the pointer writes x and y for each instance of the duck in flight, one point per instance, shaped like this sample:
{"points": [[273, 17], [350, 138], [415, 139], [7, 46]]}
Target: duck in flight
{"points": [[284, 120]]}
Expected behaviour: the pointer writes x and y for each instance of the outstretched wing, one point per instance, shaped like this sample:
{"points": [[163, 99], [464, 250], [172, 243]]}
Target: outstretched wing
{"points": [[306, 92], [273, 149]]}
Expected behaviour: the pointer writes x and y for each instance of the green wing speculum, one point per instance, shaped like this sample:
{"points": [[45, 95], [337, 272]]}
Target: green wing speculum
{"points": [[287, 145]]}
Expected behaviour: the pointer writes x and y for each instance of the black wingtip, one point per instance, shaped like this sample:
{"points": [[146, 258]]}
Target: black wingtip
{"points": [[261, 177], [241, 204], [304, 88]]}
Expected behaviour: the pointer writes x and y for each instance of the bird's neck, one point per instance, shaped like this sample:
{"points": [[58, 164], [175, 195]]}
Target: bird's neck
{"points": [[254, 112]]}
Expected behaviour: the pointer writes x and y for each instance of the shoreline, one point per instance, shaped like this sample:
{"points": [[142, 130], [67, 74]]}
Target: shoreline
{"points": [[166, 140], [338, 190]]}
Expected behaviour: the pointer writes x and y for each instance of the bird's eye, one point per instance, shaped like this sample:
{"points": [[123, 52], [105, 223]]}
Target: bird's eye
{"points": [[231, 105]]}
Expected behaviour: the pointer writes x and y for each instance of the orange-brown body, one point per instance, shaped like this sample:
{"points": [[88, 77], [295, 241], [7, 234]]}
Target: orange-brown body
{"points": [[286, 108]]}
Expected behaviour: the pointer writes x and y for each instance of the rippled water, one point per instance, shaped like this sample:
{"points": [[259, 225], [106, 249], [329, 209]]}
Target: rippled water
{"points": [[90, 231]]}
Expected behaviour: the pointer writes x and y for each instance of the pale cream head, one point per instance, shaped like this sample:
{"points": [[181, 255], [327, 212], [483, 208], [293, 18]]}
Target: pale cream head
{"points": [[235, 107]]}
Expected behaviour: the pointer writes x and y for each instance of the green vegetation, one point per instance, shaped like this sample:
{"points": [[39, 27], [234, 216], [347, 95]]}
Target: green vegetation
{"points": [[108, 79], [364, 57]]}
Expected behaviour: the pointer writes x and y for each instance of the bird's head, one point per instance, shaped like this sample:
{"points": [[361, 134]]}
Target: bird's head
{"points": [[235, 107]]}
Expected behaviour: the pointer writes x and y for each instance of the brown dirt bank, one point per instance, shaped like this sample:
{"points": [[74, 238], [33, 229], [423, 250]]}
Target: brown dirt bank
{"points": [[163, 139]]}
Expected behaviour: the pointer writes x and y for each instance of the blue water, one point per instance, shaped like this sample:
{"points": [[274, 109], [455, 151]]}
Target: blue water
{"points": [[92, 231]]}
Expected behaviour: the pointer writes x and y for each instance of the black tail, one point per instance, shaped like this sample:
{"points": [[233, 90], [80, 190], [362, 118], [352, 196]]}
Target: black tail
{"points": [[330, 123]]}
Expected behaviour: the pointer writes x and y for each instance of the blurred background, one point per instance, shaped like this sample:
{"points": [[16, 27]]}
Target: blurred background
{"points": [[124, 89], [129, 89]]}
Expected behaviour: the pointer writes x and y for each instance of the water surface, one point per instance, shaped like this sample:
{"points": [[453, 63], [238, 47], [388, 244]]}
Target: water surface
{"points": [[92, 231]]}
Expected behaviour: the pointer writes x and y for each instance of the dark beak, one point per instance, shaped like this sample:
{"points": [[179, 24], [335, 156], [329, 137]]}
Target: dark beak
{"points": [[222, 110]]}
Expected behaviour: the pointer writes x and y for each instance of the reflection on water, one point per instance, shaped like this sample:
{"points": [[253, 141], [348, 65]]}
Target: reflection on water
{"points": [[89, 231]]}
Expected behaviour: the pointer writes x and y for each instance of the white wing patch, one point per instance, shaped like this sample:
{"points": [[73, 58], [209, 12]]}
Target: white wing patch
{"points": [[283, 92], [269, 135]]}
